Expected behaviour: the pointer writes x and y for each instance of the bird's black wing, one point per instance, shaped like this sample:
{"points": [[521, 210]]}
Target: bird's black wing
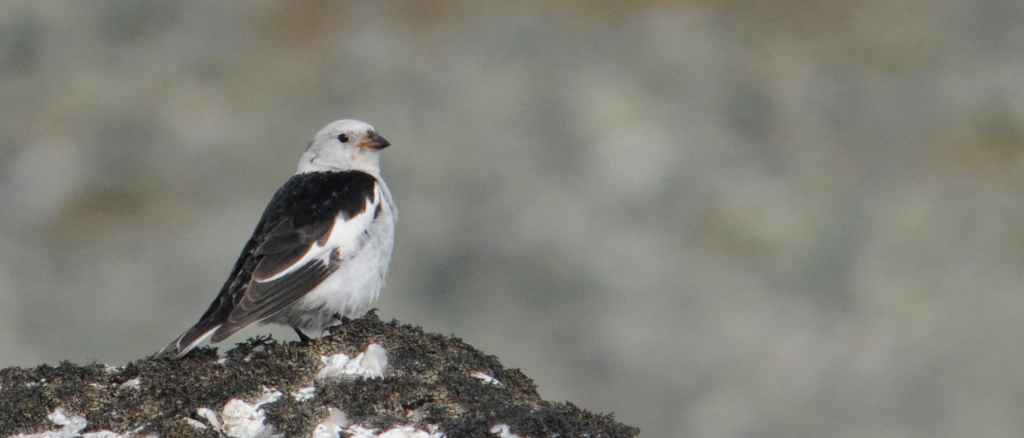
{"points": [[285, 258]]}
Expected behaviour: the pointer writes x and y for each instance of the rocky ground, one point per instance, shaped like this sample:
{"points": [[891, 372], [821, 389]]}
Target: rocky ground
{"points": [[366, 378]]}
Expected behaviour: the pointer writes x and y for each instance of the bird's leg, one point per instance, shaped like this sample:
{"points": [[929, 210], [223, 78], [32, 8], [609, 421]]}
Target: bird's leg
{"points": [[302, 336]]}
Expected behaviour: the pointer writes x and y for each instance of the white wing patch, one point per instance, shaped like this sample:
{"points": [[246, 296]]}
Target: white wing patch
{"points": [[343, 234]]}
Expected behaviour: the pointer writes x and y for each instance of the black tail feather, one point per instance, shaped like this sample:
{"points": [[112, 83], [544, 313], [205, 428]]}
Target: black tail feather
{"points": [[184, 343]]}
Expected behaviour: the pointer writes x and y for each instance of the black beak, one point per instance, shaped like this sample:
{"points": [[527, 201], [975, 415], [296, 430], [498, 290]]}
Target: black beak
{"points": [[378, 142]]}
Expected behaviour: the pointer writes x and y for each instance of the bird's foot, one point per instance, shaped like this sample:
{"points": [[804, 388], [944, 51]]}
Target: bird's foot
{"points": [[340, 319], [302, 336]]}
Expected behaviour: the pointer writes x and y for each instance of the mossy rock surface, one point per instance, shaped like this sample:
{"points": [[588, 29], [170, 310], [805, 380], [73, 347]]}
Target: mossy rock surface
{"points": [[429, 382]]}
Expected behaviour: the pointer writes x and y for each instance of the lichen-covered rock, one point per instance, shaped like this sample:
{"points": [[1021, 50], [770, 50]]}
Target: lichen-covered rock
{"points": [[366, 378]]}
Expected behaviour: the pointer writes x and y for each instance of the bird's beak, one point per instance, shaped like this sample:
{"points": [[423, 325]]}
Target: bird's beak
{"points": [[374, 141]]}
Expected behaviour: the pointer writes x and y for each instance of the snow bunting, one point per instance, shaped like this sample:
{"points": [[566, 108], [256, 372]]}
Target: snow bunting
{"points": [[321, 249]]}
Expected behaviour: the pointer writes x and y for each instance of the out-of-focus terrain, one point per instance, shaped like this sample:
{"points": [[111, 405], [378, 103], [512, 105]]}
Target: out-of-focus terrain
{"points": [[716, 219]]}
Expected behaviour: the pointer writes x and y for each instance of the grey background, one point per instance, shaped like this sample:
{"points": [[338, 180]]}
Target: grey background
{"points": [[715, 219]]}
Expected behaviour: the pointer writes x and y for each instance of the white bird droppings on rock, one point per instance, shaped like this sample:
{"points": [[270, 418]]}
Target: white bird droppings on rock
{"points": [[410, 432], [246, 420], [130, 384], [358, 431], [503, 431], [370, 363], [241, 419], [109, 434], [71, 427], [196, 424], [487, 378], [337, 425], [304, 393], [332, 426], [210, 416]]}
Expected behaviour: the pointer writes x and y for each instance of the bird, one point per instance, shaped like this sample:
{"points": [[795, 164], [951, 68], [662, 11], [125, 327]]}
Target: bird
{"points": [[320, 251]]}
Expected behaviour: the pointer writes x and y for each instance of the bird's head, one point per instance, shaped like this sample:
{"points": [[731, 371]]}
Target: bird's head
{"points": [[344, 145]]}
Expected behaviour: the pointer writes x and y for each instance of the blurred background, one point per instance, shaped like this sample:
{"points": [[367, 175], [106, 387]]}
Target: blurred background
{"points": [[714, 219]]}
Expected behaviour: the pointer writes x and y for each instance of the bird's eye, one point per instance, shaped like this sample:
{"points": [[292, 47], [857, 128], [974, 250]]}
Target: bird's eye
{"points": [[343, 138]]}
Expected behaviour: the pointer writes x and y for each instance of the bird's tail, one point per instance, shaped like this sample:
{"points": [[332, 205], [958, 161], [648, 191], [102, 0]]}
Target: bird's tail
{"points": [[184, 343]]}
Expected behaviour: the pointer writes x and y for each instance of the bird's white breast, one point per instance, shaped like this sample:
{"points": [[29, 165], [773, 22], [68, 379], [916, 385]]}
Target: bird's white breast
{"points": [[366, 245]]}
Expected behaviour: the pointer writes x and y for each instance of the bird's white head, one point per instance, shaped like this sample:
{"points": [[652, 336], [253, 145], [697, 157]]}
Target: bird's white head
{"points": [[344, 145]]}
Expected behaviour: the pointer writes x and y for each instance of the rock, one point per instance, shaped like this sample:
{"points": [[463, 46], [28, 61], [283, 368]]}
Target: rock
{"points": [[365, 378]]}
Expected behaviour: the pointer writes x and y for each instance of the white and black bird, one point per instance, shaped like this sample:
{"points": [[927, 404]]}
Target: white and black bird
{"points": [[321, 249]]}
